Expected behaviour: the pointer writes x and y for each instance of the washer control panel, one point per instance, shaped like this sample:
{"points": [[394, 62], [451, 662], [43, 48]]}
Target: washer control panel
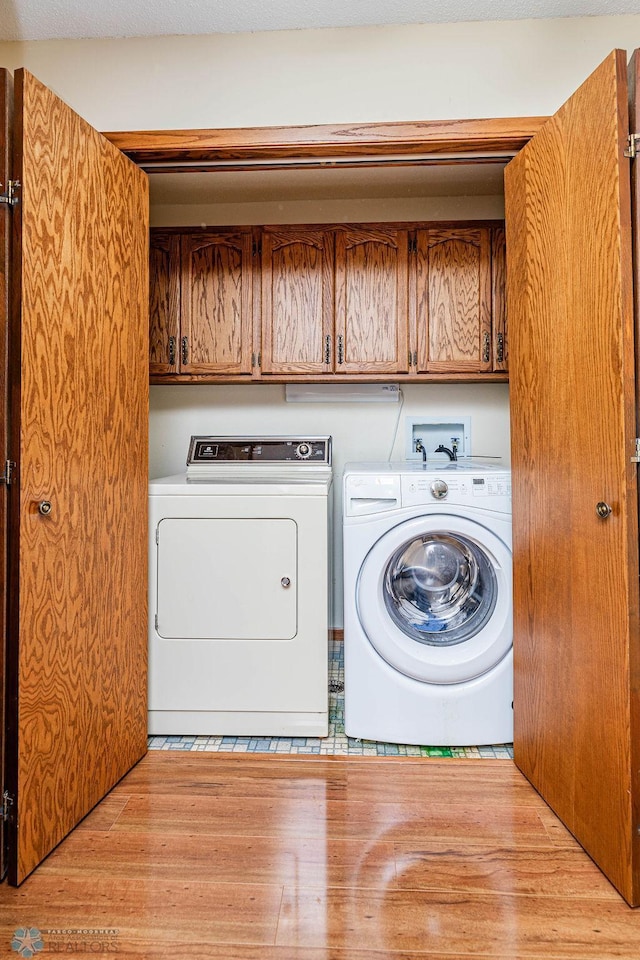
{"points": [[222, 450]]}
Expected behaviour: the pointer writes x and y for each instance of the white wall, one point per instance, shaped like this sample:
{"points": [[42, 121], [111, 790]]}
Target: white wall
{"points": [[441, 71], [360, 431], [414, 72]]}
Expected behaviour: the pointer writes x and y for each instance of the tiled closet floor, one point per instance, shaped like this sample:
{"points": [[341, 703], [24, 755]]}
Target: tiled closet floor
{"points": [[336, 742]]}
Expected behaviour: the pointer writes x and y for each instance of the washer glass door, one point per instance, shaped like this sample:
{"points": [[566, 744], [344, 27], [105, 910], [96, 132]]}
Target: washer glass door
{"points": [[434, 597], [440, 588]]}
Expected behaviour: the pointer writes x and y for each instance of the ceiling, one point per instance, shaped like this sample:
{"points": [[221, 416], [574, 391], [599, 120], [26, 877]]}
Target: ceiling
{"points": [[400, 182], [75, 19]]}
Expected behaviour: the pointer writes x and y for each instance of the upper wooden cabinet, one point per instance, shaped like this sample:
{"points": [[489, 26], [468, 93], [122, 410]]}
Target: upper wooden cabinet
{"points": [[453, 300], [498, 298], [357, 300], [371, 317], [201, 302], [164, 302], [216, 334], [297, 300]]}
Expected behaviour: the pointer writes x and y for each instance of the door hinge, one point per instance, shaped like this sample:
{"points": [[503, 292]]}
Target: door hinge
{"points": [[632, 150], [7, 476], [636, 457], [10, 197], [8, 802]]}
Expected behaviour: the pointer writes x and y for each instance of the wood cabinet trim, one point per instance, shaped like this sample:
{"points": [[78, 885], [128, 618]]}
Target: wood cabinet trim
{"points": [[440, 137]]}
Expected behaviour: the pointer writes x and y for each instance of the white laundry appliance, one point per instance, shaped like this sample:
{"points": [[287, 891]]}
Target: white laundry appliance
{"points": [[428, 603], [239, 589]]}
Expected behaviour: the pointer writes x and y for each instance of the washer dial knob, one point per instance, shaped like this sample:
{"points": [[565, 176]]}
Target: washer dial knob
{"points": [[439, 489], [303, 451]]}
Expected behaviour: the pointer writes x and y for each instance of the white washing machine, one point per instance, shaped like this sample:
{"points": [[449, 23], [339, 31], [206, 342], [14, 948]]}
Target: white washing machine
{"points": [[239, 589], [428, 603]]}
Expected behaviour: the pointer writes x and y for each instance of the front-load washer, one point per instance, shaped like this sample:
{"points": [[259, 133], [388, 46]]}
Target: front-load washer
{"points": [[239, 589], [428, 603]]}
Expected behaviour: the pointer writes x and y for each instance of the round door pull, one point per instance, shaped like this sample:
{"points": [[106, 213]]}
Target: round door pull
{"points": [[44, 507], [603, 510], [286, 582]]}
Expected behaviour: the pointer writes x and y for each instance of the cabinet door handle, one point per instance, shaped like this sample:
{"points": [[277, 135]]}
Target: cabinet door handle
{"points": [[500, 347], [486, 349], [172, 351], [327, 349], [185, 350], [340, 349]]}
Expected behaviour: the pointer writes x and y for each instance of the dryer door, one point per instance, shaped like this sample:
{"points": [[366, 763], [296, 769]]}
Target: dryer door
{"points": [[434, 598]]}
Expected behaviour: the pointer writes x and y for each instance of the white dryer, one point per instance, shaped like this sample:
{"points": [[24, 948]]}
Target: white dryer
{"points": [[239, 589], [428, 603]]}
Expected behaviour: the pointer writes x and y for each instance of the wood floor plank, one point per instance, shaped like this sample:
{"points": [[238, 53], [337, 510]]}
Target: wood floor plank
{"points": [[517, 928], [375, 779], [475, 822], [500, 869], [104, 816], [143, 909], [303, 861]]}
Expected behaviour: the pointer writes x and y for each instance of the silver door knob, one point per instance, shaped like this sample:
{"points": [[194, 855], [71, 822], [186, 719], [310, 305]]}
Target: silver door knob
{"points": [[439, 489], [44, 507], [603, 510], [285, 582]]}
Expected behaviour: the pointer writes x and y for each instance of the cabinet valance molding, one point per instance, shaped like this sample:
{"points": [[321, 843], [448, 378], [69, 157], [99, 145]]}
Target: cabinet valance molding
{"points": [[155, 149]]}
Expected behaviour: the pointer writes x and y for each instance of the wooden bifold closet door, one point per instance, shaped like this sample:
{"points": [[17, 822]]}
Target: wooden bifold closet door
{"points": [[575, 489], [79, 352]]}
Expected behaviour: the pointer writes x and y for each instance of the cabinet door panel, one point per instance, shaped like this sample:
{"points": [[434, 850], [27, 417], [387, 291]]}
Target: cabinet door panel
{"points": [[453, 283], [498, 299], [371, 301], [297, 301], [164, 302], [217, 321]]}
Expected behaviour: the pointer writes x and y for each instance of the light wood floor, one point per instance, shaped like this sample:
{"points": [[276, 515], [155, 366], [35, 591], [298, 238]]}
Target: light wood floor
{"points": [[295, 858]]}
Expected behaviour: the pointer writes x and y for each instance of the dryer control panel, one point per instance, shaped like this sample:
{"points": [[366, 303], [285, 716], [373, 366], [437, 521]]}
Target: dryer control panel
{"points": [[222, 450]]}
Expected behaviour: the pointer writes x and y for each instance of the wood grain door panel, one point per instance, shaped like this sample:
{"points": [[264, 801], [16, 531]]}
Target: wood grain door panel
{"points": [[6, 118], [453, 286], [164, 302], [297, 300], [573, 408], [372, 315], [79, 397], [217, 302]]}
